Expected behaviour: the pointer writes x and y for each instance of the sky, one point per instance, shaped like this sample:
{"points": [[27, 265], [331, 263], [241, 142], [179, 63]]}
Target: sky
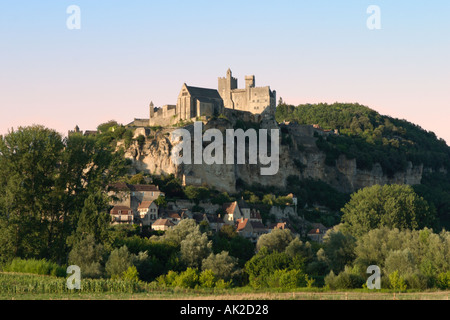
{"points": [[128, 53]]}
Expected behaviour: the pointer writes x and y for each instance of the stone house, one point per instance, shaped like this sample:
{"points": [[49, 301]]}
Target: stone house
{"points": [[162, 225], [148, 212], [251, 230], [215, 222], [129, 195], [317, 232], [244, 228], [121, 215], [255, 215], [244, 208], [232, 212]]}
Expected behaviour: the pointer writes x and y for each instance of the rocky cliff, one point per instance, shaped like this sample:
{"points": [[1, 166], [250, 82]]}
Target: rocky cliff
{"points": [[299, 156]]}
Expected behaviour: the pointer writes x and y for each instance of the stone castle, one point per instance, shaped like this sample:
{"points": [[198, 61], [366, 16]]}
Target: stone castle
{"points": [[194, 102]]}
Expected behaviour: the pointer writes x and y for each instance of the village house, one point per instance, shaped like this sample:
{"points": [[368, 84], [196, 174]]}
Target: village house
{"points": [[121, 215], [251, 230], [215, 222], [317, 232], [255, 215], [132, 195], [232, 212], [148, 212], [162, 225], [173, 216]]}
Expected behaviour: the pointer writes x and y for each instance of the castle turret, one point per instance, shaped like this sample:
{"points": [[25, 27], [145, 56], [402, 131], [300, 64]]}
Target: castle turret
{"points": [[225, 86], [152, 109], [249, 82]]}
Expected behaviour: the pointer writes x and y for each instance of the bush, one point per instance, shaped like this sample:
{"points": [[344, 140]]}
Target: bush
{"points": [[287, 279], [443, 280], [397, 282], [187, 279], [347, 279], [207, 279], [41, 267], [131, 274]]}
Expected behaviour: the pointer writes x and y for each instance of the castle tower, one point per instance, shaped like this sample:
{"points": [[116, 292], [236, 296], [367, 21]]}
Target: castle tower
{"points": [[249, 82], [226, 85], [152, 110]]}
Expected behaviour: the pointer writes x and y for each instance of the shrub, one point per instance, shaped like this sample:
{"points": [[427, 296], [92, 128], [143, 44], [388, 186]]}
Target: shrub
{"points": [[187, 279], [347, 279], [207, 279], [443, 280], [287, 279], [131, 274], [397, 282], [41, 267]]}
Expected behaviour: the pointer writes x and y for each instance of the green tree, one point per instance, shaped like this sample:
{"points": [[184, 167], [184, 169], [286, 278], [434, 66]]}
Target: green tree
{"points": [[338, 250], [118, 262], [131, 274], [88, 255], [396, 206], [222, 265], [194, 248], [277, 240], [207, 279], [179, 232]]}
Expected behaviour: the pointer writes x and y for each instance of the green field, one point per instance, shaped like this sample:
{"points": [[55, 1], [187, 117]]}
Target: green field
{"points": [[15, 286]]}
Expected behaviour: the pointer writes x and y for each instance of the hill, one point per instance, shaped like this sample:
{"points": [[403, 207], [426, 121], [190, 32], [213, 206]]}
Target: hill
{"points": [[371, 138]]}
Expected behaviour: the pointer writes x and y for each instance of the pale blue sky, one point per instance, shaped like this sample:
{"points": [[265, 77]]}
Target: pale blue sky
{"points": [[130, 52]]}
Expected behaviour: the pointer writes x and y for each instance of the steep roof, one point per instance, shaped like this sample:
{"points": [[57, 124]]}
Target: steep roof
{"points": [[145, 204], [243, 204], [203, 92], [241, 224], [229, 207]]}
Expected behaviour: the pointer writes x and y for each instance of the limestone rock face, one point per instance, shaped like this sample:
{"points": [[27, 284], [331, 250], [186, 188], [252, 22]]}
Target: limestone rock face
{"points": [[299, 156]]}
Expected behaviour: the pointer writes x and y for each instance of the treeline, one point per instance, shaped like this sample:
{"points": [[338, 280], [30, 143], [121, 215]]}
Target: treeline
{"points": [[52, 191]]}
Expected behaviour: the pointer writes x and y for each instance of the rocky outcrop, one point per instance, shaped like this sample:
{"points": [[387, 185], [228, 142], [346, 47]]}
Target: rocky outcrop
{"points": [[299, 156]]}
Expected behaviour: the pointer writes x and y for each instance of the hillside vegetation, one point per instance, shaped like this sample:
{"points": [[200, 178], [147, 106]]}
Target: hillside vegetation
{"points": [[370, 138]]}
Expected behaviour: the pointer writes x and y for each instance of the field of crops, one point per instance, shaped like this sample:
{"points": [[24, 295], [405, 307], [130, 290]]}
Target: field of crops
{"points": [[30, 286], [13, 283]]}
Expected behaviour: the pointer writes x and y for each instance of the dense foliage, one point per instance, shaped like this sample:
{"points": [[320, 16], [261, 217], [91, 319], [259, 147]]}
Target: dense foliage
{"points": [[369, 137]]}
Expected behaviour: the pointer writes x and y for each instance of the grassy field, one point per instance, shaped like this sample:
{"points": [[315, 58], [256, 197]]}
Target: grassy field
{"points": [[15, 286]]}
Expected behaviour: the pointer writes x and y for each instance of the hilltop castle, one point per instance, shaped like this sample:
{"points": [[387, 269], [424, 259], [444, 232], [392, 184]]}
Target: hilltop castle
{"points": [[194, 102]]}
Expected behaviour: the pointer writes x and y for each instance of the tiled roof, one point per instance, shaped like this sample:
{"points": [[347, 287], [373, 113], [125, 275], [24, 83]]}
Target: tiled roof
{"points": [[124, 210], [122, 186], [241, 224], [145, 204], [163, 222], [229, 207], [143, 187], [173, 215]]}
